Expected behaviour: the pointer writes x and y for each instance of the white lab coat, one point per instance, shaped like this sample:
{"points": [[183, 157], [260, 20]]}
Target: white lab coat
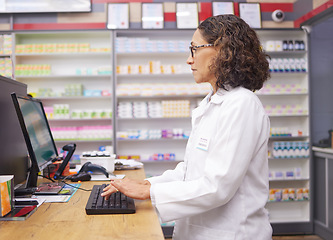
{"points": [[220, 190]]}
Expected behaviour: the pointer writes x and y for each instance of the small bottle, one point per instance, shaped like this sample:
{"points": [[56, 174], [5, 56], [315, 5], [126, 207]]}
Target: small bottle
{"points": [[285, 45], [290, 45], [297, 45], [302, 46]]}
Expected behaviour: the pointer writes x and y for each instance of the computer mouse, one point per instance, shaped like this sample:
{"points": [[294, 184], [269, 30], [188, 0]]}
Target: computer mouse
{"points": [[81, 176]]}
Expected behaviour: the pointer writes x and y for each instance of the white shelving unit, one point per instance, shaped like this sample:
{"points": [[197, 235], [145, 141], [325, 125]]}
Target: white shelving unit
{"points": [[287, 90], [81, 58]]}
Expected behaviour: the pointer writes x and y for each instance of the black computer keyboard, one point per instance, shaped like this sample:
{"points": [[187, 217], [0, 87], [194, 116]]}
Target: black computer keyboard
{"points": [[118, 203]]}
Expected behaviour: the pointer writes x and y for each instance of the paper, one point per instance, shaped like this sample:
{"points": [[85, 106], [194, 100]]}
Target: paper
{"points": [[187, 15], [64, 195], [152, 15], [223, 8], [118, 16], [102, 177], [250, 13]]}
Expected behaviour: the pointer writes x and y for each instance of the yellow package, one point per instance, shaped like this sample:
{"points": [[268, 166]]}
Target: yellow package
{"points": [[6, 192]]}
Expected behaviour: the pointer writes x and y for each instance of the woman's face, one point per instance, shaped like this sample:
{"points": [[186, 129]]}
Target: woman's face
{"points": [[201, 60]]}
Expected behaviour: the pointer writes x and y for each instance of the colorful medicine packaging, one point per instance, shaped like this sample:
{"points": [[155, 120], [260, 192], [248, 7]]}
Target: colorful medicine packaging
{"points": [[6, 194]]}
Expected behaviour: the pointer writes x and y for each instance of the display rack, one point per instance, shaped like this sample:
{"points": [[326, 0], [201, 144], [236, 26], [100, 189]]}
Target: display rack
{"points": [[286, 100], [71, 72]]}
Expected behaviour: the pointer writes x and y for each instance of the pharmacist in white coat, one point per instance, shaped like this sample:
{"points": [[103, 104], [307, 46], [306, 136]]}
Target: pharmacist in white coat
{"points": [[220, 190]]}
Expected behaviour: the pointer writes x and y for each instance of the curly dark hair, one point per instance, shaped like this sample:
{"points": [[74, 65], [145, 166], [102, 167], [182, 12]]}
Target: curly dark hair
{"points": [[241, 60]]}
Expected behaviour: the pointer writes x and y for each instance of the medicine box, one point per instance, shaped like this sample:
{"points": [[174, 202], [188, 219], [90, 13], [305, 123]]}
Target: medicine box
{"points": [[6, 194]]}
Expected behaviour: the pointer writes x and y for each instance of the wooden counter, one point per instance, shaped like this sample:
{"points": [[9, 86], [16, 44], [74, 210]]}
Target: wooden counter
{"points": [[69, 220]]}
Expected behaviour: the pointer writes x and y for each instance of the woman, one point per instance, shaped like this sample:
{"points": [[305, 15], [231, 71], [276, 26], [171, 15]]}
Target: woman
{"points": [[221, 188]]}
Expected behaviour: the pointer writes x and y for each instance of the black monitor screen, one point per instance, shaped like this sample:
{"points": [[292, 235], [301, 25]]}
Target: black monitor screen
{"points": [[36, 130]]}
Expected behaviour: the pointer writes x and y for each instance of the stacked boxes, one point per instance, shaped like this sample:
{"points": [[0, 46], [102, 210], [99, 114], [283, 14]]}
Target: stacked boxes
{"points": [[166, 89], [288, 109], [82, 133], [6, 66], [32, 69], [176, 108], [288, 194], [288, 65], [175, 133], [295, 149], [124, 44], [154, 109], [6, 44], [57, 48]]}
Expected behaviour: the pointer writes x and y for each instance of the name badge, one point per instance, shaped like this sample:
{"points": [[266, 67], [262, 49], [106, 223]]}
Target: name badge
{"points": [[203, 144]]}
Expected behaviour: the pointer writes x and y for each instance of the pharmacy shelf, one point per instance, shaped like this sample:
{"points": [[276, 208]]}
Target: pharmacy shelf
{"points": [[293, 213], [283, 94], [279, 138], [286, 74], [151, 75], [161, 97], [287, 52], [5, 55], [84, 141], [79, 119], [151, 140], [67, 54], [288, 115], [289, 180], [63, 76], [73, 98], [153, 119], [288, 158], [160, 161], [151, 54], [65, 67]]}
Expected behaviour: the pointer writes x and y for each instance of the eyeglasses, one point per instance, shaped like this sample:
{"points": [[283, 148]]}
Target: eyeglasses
{"points": [[192, 48]]}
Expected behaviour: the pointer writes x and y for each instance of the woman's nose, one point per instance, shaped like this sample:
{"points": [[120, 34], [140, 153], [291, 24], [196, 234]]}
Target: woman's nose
{"points": [[189, 60]]}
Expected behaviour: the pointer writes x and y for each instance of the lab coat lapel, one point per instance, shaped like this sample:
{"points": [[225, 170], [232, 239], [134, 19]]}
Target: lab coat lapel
{"points": [[199, 111]]}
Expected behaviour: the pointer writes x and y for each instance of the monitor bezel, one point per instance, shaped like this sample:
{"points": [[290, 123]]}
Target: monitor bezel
{"points": [[40, 166]]}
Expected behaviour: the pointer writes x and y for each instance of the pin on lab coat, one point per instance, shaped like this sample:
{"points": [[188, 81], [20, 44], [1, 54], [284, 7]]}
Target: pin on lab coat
{"points": [[220, 190]]}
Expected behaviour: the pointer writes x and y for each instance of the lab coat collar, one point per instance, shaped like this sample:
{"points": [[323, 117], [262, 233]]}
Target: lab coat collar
{"points": [[216, 98]]}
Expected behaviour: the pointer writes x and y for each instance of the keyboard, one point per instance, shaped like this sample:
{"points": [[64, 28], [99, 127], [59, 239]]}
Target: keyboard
{"points": [[118, 203]]}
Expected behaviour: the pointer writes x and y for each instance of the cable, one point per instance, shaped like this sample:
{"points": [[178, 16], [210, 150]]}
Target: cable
{"points": [[48, 178], [63, 181], [83, 189]]}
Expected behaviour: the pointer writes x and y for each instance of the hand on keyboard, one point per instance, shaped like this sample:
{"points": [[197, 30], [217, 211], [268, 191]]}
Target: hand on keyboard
{"points": [[137, 189], [117, 203]]}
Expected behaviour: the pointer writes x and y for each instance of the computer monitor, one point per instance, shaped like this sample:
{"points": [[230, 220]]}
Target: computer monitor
{"points": [[14, 155], [37, 135]]}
